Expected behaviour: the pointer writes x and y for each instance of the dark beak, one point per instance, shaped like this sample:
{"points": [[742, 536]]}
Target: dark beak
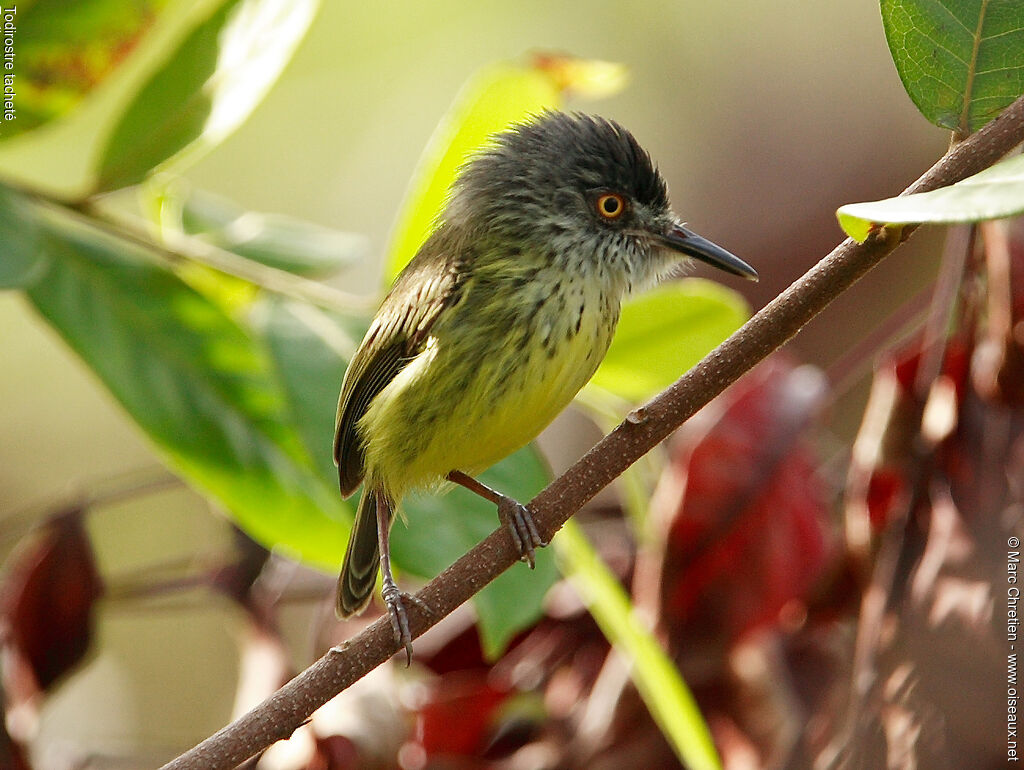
{"points": [[689, 243]]}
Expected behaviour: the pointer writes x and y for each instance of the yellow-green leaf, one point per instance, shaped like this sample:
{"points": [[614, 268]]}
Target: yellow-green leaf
{"points": [[493, 99], [59, 53], [200, 385], [664, 332], [994, 193], [206, 88]]}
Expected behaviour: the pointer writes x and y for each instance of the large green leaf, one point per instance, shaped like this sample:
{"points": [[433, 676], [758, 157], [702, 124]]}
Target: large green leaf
{"points": [[442, 528], [22, 262], [202, 390], [961, 61], [493, 99], [310, 349], [993, 193], [665, 332], [207, 87], [63, 50]]}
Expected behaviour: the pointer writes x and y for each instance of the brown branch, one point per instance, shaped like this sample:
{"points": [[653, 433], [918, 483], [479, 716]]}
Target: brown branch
{"points": [[775, 324]]}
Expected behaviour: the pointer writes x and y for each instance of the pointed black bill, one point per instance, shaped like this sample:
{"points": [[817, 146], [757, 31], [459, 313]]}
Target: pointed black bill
{"points": [[689, 243]]}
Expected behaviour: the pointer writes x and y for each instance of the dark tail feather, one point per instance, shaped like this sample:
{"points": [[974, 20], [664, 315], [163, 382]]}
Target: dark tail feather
{"points": [[359, 570]]}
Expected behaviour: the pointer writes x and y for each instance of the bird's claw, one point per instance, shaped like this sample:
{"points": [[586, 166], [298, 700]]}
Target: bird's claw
{"points": [[395, 601], [399, 619], [522, 527]]}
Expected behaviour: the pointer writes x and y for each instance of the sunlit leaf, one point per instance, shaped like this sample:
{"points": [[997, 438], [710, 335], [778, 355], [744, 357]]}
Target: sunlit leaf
{"points": [[660, 685], [22, 261], [63, 50], [493, 99], [207, 87], [276, 240], [961, 61], [994, 193], [441, 528], [664, 332], [202, 390]]}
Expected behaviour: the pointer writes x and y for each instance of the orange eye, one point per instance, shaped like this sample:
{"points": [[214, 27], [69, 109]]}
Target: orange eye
{"points": [[610, 205]]}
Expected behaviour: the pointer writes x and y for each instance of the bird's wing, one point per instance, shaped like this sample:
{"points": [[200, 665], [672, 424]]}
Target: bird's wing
{"points": [[397, 334]]}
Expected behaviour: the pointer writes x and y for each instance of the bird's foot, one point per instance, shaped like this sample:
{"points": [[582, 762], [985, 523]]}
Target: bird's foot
{"points": [[519, 520], [395, 600], [513, 514]]}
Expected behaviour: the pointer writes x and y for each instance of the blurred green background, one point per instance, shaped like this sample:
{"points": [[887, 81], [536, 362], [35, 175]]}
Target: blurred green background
{"points": [[764, 118]]}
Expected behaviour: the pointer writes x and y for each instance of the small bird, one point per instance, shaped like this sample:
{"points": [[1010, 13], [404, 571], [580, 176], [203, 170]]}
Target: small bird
{"points": [[502, 316]]}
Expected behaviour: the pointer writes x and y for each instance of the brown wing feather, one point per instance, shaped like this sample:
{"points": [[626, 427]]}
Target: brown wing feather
{"points": [[399, 330]]}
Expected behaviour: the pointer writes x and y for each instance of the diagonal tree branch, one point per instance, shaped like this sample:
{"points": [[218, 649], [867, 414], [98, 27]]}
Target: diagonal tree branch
{"points": [[770, 328]]}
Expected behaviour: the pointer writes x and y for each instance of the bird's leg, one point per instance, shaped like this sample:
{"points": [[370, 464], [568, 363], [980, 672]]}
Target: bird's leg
{"points": [[513, 514], [389, 591]]}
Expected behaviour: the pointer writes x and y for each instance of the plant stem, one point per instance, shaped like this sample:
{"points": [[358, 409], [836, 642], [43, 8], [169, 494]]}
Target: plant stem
{"points": [[177, 248]]}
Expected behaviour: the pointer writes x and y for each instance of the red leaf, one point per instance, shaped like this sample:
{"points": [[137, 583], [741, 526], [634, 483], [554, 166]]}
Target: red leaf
{"points": [[48, 600], [458, 717], [460, 651], [742, 509]]}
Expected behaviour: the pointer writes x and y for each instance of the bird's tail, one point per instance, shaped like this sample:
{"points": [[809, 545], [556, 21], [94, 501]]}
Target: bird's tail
{"points": [[359, 570]]}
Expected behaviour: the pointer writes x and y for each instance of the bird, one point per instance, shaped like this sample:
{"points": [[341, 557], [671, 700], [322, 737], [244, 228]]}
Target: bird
{"points": [[503, 314]]}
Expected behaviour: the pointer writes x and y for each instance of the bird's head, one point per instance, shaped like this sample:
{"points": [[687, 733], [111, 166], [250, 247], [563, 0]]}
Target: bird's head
{"points": [[581, 189]]}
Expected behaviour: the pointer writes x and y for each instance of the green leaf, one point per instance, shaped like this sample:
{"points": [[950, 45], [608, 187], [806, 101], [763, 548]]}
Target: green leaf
{"points": [[207, 87], [441, 528], [664, 332], [63, 51], [275, 240], [993, 193], [201, 389], [310, 350], [658, 681], [22, 262], [492, 100], [961, 61]]}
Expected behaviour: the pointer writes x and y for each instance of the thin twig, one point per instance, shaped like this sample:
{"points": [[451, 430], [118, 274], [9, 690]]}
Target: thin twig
{"points": [[278, 716], [177, 248], [100, 492]]}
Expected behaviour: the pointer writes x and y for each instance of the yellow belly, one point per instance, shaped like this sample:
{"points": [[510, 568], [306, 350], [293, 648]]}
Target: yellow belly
{"points": [[478, 393]]}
